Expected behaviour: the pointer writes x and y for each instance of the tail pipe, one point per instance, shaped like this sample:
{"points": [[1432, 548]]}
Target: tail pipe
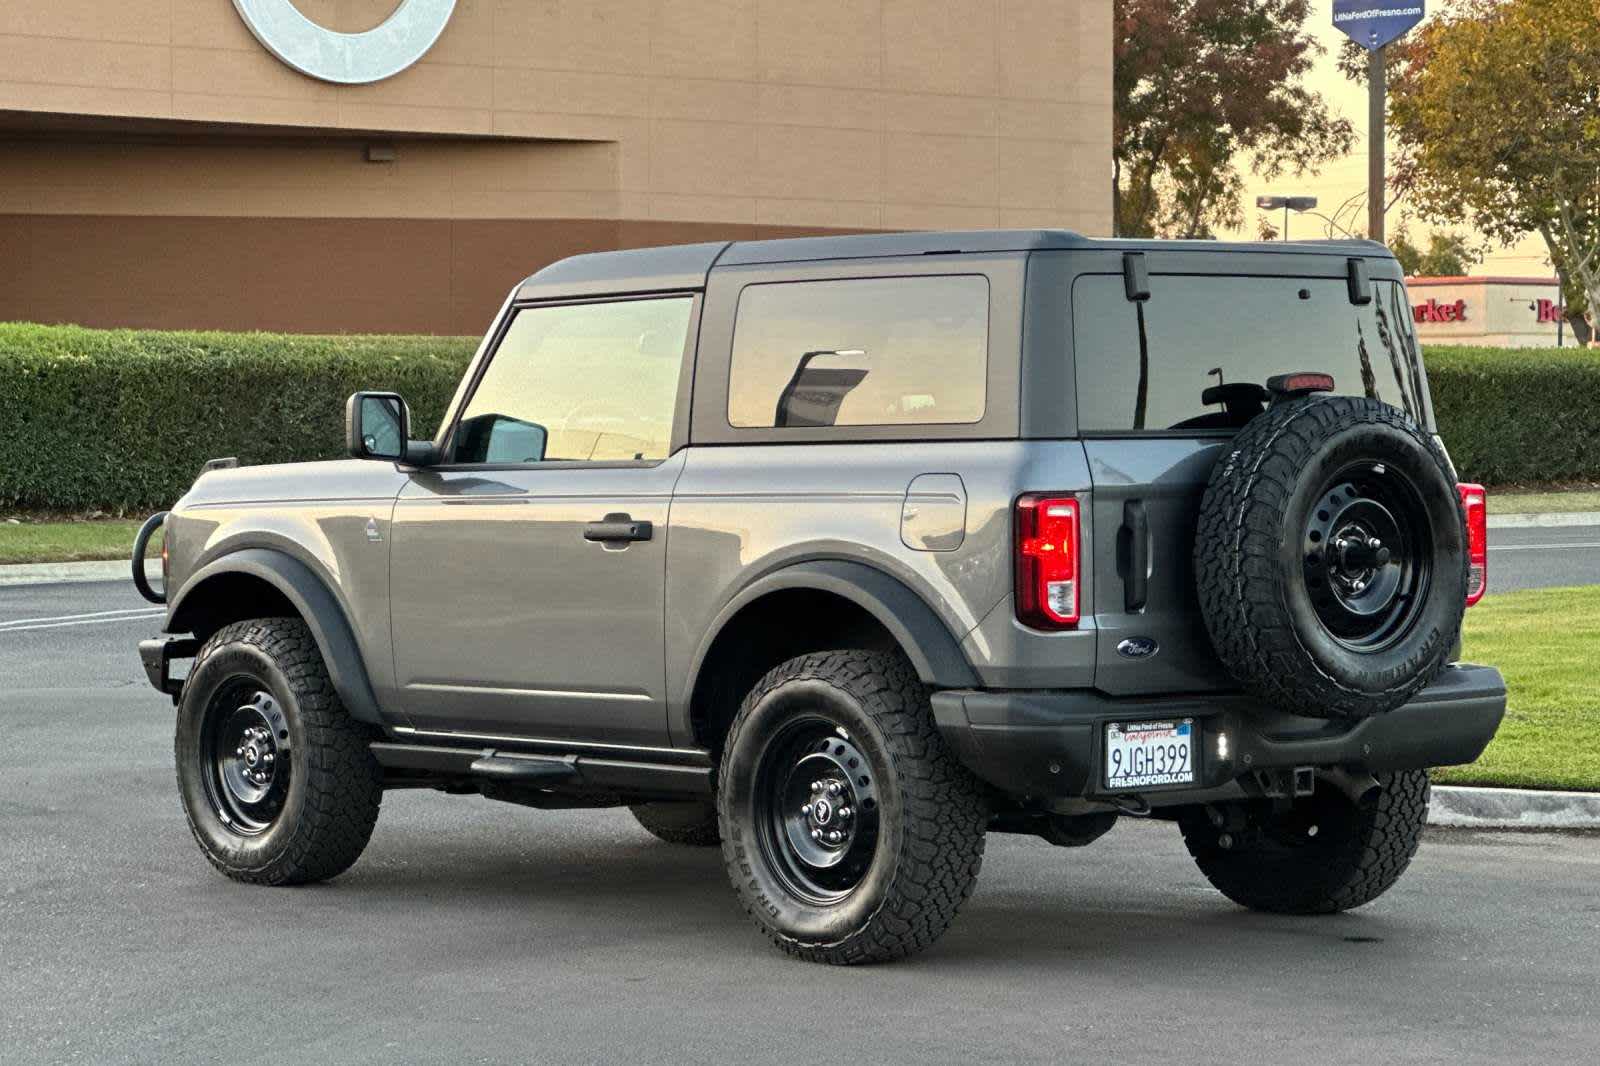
{"points": [[140, 543]]}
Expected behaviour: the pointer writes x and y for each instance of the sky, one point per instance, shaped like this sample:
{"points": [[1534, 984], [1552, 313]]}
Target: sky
{"points": [[1342, 178]]}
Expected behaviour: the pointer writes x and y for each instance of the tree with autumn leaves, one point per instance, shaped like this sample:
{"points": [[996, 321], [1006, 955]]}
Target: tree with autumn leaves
{"points": [[1199, 87], [1495, 108]]}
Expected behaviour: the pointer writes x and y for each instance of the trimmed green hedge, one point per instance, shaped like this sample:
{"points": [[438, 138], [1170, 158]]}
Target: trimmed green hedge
{"points": [[1518, 415], [123, 419]]}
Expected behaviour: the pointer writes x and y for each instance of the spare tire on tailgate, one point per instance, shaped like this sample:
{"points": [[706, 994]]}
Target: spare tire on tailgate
{"points": [[1331, 557]]}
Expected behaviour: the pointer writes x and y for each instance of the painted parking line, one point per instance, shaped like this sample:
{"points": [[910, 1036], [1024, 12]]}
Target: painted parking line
{"points": [[77, 615], [25, 625], [1570, 545]]}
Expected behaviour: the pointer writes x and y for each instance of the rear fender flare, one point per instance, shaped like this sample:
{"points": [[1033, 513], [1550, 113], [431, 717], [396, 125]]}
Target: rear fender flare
{"points": [[925, 639], [316, 604]]}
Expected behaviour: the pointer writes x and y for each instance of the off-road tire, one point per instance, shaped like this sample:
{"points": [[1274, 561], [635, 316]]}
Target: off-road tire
{"points": [[1359, 852], [334, 786], [692, 823], [932, 816], [1254, 575]]}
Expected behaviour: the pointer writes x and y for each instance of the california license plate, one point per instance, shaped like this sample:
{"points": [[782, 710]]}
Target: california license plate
{"points": [[1149, 754]]}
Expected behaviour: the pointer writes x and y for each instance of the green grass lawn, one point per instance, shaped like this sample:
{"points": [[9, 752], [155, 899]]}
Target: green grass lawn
{"points": [[1542, 640], [64, 542], [1542, 502]]}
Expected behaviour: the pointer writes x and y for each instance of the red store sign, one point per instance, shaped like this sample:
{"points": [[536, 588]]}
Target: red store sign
{"points": [[1434, 311]]}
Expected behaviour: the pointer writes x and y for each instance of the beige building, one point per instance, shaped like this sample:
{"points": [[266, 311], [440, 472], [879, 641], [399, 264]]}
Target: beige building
{"points": [[1498, 312], [161, 166]]}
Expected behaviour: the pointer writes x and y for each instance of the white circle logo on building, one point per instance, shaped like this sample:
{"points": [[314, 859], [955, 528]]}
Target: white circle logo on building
{"points": [[347, 58]]}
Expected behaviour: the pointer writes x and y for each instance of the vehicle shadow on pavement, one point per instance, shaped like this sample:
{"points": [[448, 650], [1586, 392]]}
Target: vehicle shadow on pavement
{"points": [[617, 885], [1173, 928]]}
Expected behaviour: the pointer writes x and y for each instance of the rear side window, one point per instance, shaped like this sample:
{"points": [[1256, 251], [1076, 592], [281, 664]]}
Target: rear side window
{"points": [[860, 352], [1205, 332]]}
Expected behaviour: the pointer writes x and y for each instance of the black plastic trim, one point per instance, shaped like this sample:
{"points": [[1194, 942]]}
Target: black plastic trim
{"points": [[1012, 739], [1359, 282], [927, 641], [141, 541], [157, 654], [574, 769], [525, 769], [1135, 277], [313, 601], [1133, 555]]}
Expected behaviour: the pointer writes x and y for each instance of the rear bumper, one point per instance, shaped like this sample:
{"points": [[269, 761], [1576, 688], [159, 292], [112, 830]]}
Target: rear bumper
{"points": [[1047, 744]]}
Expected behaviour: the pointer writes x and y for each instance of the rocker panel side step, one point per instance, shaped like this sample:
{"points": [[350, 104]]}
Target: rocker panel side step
{"points": [[546, 771], [525, 769]]}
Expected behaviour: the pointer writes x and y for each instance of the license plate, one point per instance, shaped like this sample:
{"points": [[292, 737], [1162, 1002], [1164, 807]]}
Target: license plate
{"points": [[1149, 754]]}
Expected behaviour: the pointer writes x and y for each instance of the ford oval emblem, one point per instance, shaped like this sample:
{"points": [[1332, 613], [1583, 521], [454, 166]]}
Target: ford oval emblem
{"points": [[1138, 648]]}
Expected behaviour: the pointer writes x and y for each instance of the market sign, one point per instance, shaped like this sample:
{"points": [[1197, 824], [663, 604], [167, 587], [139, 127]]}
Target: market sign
{"points": [[1434, 311], [1374, 23], [347, 58]]}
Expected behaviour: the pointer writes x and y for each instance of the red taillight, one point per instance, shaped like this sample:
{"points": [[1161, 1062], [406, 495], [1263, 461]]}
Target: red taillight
{"points": [[1475, 501], [1047, 561]]}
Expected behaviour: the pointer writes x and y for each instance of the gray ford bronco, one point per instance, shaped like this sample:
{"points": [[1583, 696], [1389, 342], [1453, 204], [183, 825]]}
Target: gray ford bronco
{"points": [[844, 552]]}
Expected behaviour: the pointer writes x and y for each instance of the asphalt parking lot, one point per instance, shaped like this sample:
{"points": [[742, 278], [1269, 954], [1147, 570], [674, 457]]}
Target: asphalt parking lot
{"points": [[473, 931], [1535, 558]]}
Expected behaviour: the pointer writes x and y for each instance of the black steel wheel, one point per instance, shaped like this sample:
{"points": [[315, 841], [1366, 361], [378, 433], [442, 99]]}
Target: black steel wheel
{"points": [[1330, 557], [278, 782], [1368, 555], [816, 810], [247, 739], [850, 831]]}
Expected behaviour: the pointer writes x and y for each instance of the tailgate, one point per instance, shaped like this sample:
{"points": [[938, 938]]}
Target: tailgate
{"points": [[1168, 367], [1146, 499]]}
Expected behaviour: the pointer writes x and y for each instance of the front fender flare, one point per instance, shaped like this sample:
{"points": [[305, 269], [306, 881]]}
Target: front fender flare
{"points": [[927, 642], [315, 603]]}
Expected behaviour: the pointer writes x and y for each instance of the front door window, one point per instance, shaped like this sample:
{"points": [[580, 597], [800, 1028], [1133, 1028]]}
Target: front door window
{"points": [[592, 382]]}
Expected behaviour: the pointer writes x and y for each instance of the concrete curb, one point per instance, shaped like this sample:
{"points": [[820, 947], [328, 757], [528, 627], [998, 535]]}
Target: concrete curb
{"points": [[73, 573], [1554, 520], [1513, 808]]}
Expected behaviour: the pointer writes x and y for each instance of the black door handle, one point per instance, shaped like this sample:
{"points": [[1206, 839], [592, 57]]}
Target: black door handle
{"points": [[617, 527], [1133, 556]]}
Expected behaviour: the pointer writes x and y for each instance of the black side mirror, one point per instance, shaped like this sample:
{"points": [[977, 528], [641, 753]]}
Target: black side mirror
{"points": [[377, 425]]}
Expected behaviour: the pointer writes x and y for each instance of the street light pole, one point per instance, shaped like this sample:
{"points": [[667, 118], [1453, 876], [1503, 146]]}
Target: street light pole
{"points": [[1288, 203]]}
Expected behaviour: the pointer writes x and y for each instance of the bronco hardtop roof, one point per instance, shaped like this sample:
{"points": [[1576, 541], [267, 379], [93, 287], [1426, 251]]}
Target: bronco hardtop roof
{"points": [[686, 266]]}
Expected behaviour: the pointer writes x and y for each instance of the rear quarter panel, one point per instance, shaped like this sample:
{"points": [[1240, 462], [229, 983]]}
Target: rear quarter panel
{"points": [[740, 513]]}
